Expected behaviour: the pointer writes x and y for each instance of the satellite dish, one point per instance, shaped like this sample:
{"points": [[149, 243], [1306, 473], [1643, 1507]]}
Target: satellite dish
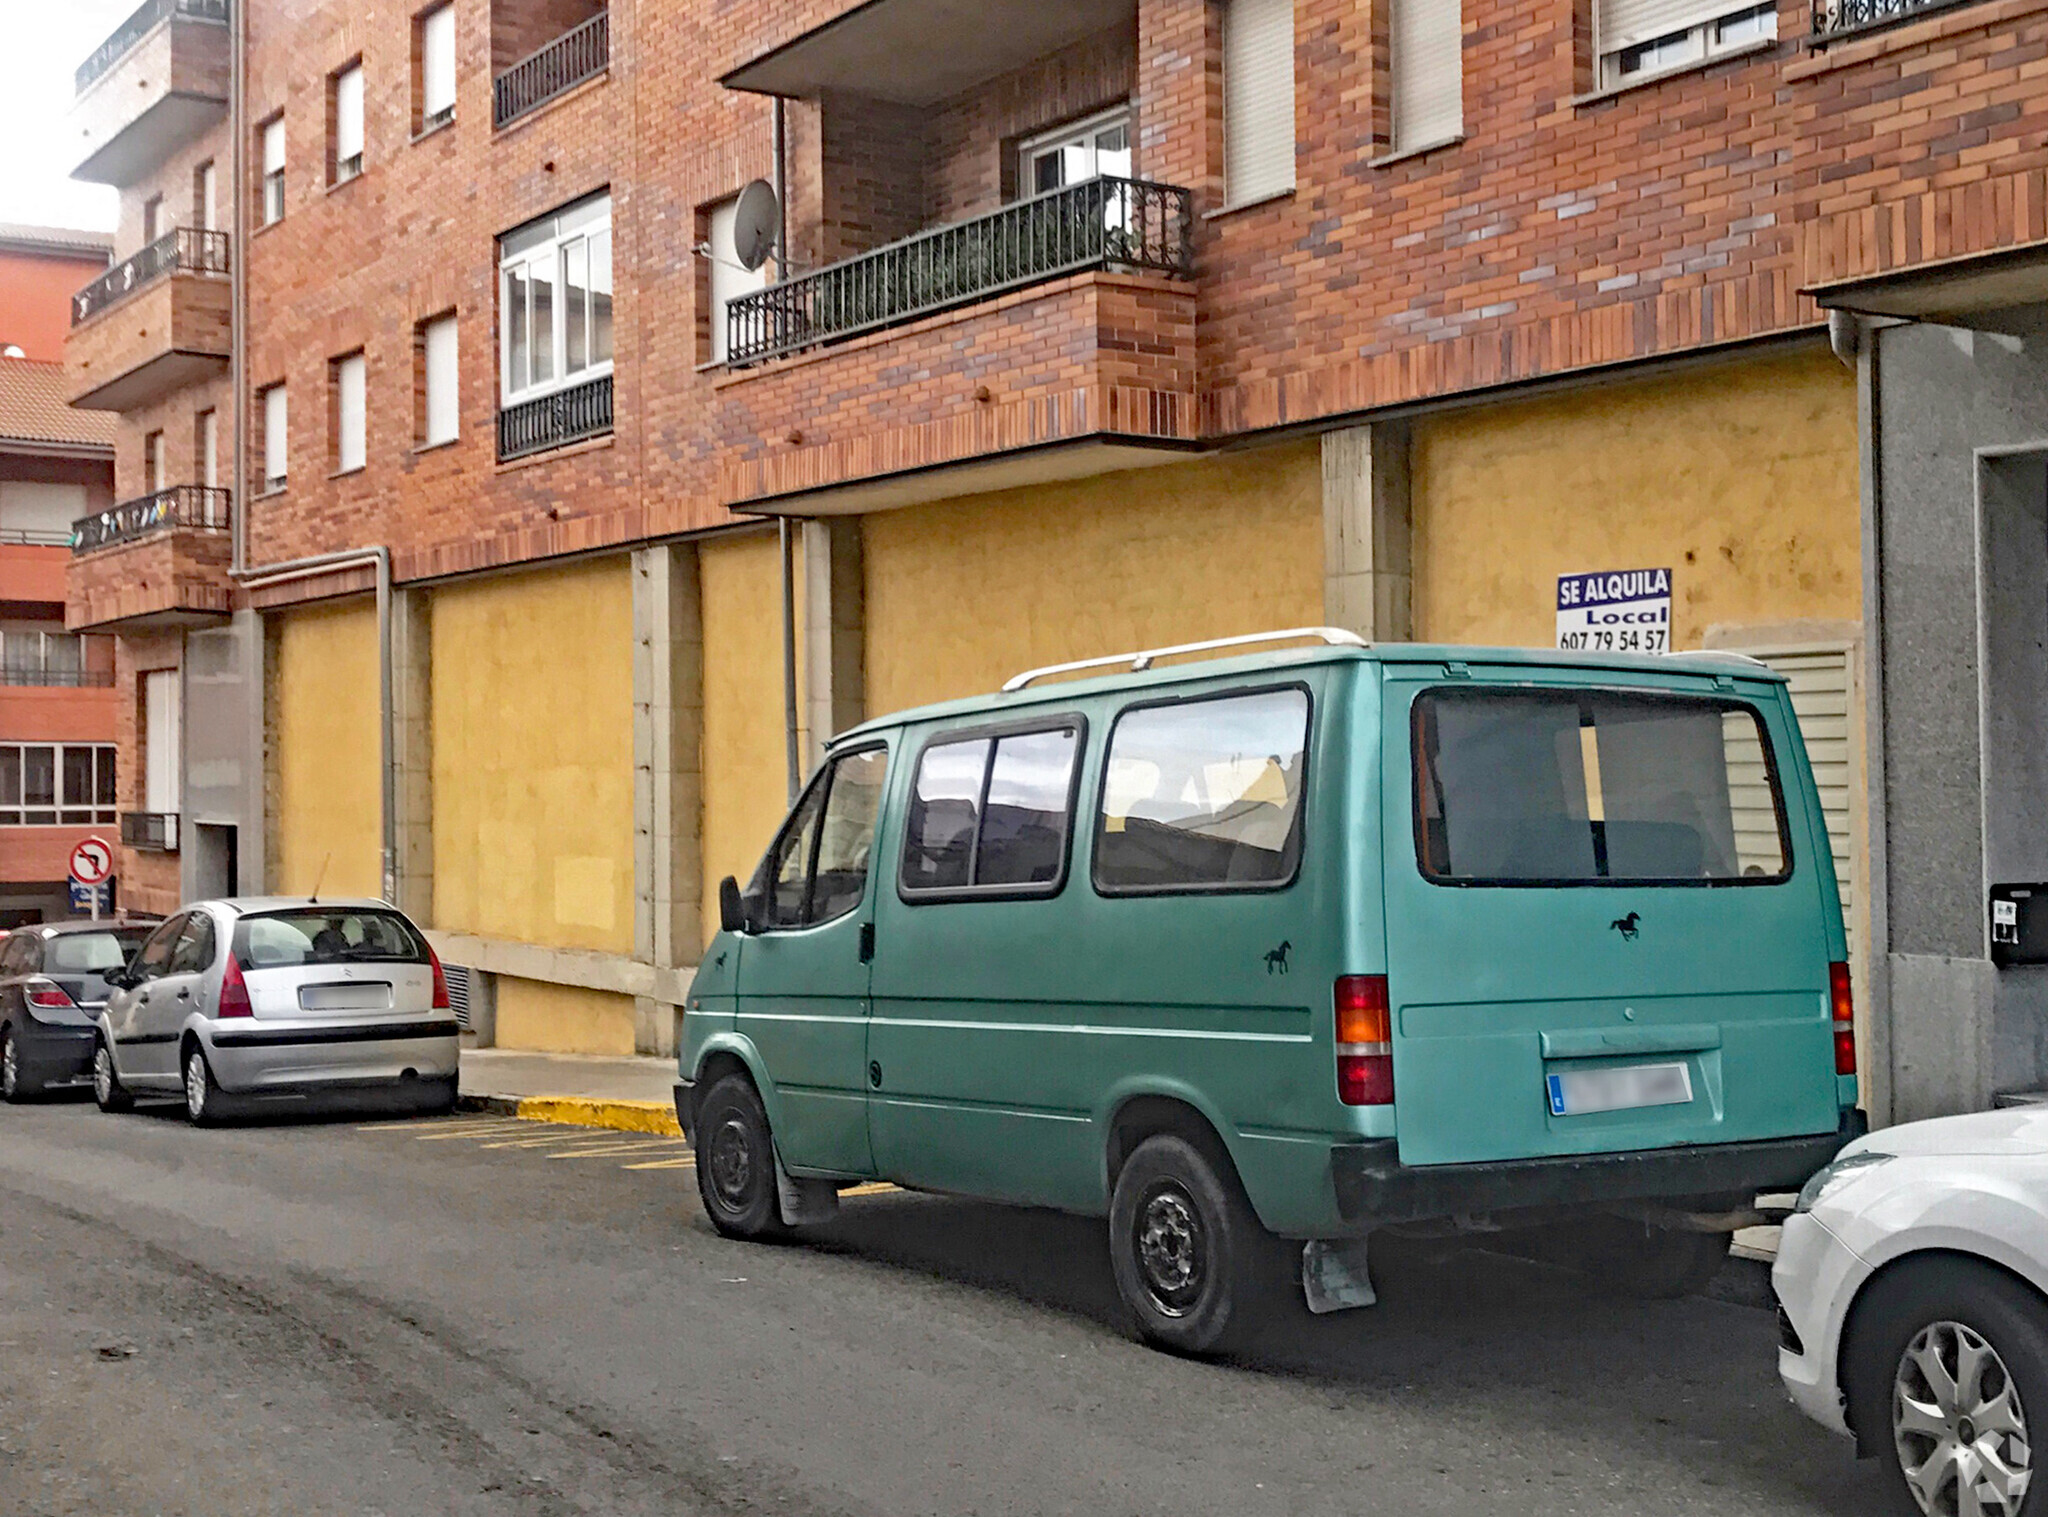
{"points": [[754, 221]]}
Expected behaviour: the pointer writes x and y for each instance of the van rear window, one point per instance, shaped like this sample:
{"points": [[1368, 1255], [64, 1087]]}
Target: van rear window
{"points": [[1574, 787], [319, 935]]}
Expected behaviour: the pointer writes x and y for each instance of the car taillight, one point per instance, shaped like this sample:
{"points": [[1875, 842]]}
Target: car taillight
{"points": [[1365, 1041], [441, 1001], [234, 992], [50, 998], [1842, 1002]]}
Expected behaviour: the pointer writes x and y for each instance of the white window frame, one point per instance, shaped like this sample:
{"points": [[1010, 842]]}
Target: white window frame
{"points": [[1718, 34], [1080, 134], [437, 67], [206, 187], [163, 742], [550, 242], [349, 124], [276, 437], [89, 814], [208, 428], [273, 171], [440, 341], [351, 413]]}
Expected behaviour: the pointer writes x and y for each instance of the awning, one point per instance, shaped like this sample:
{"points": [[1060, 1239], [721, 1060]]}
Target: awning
{"points": [[891, 49], [1981, 291]]}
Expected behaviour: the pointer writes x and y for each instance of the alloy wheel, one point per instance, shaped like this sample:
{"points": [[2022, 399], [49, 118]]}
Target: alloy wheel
{"points": [[103, 1075], [195, 1085], [1172, 1248], [1957, 1422], [10, 1066]]}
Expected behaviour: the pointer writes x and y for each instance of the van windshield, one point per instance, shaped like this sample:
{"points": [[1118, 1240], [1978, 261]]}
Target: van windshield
{"points": [[1568, 787], [321, 935]]}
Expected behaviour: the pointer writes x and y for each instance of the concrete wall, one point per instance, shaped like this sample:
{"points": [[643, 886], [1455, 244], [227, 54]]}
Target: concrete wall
{"points": [[327, 801], [562, 1018]]}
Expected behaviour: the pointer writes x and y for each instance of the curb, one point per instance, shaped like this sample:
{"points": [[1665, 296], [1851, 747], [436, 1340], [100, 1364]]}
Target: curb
{"points": [[580, 1111]]}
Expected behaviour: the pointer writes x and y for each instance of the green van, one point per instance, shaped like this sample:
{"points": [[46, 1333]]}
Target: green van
{"points": [[1279, 948]]}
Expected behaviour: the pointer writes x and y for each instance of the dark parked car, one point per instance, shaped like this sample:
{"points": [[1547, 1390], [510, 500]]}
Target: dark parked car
{"points": [[52, 986]]}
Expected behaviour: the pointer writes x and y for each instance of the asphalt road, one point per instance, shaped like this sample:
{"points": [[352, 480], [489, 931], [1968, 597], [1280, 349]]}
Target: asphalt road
{"points": [[488, 1317]]}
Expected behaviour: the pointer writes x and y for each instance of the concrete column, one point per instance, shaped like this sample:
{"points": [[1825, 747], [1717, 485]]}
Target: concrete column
{"points": [[834, 629], [1367, 536], [668, 724], [412, 685]]}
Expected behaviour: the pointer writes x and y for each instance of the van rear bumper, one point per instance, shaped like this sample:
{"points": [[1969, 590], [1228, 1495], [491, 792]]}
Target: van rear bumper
{"points": [[1374, 1186]]}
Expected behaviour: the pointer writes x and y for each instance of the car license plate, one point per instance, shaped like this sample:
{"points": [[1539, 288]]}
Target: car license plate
{"points": [[1577, 1092]]}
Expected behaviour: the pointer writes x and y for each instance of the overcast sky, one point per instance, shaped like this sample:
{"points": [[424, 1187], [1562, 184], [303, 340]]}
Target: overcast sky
{"points": [[42, 43]]}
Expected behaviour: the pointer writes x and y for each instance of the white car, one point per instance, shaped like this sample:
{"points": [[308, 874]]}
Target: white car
{"points": [[1912, 1283]]}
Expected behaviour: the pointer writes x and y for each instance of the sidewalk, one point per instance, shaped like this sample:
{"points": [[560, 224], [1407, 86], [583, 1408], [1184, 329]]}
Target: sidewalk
{"points": [[630, 1095]]}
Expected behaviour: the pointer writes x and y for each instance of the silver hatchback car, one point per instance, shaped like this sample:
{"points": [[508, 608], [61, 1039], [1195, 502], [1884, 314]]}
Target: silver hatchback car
{"points": [[233, 1003]]}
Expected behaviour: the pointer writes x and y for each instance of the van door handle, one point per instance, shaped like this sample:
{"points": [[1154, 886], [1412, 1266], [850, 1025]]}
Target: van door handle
{"points": [[867, 942], [1607, 1042], [875, 1075]]}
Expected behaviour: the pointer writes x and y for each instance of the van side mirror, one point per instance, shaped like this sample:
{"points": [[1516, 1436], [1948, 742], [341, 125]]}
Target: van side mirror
{"points": [[732, 907]]}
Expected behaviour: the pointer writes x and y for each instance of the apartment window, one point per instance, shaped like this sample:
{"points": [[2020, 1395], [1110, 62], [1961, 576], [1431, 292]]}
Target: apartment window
{"points": [[349, 378], [152, 219], [346, 105], [1427, 65], [31, 654], [163, 737], [273, 171], [1258, 99], [438, 381], [730, 279], [206, 448], [555, 300], [1082, 150], [276, 420], [1640, 39], [436, 62], [205, 197], [57, 784]]}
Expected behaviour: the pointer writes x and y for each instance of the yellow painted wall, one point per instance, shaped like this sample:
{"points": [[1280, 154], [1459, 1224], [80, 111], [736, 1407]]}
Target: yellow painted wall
{"points": [[533, 758], [563, 1018], [746, 788], [964, 594], [329, 797], [1741, 478]]}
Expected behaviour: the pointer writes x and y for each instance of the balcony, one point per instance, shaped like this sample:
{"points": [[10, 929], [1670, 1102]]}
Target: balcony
{"points": [[154, 563], [577, 55], [1834, 20], [151, 325], [574, 414], [150, 831], [1123, 225], [151, 89]]}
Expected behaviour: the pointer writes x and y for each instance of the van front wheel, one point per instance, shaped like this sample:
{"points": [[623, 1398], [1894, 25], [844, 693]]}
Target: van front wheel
{"points": [[1186, 1246], [736, 1161]]}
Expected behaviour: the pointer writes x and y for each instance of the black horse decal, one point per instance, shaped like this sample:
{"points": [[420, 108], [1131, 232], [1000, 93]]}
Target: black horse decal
{"points": [[1276, 959], [1630, 926]]}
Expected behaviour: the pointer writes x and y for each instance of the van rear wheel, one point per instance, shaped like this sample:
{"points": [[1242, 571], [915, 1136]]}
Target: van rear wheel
{"points": [[736, 1161], [1652, 1263], [1186, 1247]]}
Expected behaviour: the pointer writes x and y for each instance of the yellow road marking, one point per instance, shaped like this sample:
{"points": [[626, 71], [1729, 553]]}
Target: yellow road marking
{"points": [[690, 1163], [548, 1142], [613, 1150], [468, 1132]]}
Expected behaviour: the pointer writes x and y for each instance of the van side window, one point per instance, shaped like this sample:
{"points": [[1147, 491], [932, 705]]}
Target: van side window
{"points": [[991, 814], [818, 869], [1579, 787], [1204, 795]]}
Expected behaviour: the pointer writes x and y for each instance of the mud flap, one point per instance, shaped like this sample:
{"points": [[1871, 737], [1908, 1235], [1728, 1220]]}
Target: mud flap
{"points": [[1334, 1277], [803, 1202]]}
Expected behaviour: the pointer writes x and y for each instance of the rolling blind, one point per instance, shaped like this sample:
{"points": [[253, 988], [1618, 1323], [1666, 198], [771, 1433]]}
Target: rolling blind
{"points": [[437, 62], [1428, 45], [275, 430], [161, 741], [729, 279], [443, 408], [1624, 23], [273, 147], [351, 394], [1258, 99], [348, 115]]}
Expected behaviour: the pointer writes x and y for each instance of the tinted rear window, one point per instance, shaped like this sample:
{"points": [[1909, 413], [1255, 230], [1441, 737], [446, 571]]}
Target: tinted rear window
{"points": [[1594, 787], [316, 935], [89, 952]]}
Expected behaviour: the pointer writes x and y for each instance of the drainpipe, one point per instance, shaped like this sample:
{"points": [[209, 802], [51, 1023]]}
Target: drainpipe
{"points": [[333, 563], [238, 279], [781, 188], [787, 541]]}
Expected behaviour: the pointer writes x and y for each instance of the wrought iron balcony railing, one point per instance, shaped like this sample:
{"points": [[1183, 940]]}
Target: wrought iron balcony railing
{"points": [[53, 677], [197, 506], [1096, 224], [564, 63], [557, 419], [1842, 18], [140, 25], [183, 250], [151, 831]]}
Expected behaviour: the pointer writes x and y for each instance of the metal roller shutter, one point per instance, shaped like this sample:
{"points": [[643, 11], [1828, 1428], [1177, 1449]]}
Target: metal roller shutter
{"points": [[1258, 99], [1624, 23], [1428, 46]]}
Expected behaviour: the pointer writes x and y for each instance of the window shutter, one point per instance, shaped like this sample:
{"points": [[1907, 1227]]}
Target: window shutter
{"points": [[1624, 23], [348, 115], [161, 741], [443, 409], [728, 279], [275, 423], [437, 62], [273, 146], [351, 384], [1258, 99], [1428, 46]]}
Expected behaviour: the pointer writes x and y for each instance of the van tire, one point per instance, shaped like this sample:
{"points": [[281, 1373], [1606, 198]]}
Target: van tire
{"points": [[1187, 1249], [736, 1161], [1651, 1263]]}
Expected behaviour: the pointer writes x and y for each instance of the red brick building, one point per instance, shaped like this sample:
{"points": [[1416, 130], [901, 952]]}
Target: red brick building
{"points": [[1117, 323]]}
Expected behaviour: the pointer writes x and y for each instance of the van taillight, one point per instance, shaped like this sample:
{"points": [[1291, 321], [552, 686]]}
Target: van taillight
{"points": [[1842, 1002], [1365, 1041], [234, 992], [441, 1001]]}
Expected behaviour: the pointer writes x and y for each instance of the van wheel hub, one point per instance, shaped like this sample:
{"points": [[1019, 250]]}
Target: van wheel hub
{"points": [[732, 1162], [1956, 1419], [1173, 1249]]}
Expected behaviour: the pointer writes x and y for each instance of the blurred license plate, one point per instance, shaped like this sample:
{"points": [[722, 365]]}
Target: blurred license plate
{"points": [[1580, 1091]]}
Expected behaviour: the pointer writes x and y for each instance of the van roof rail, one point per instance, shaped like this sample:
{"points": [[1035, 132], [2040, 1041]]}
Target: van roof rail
{"points": [[1336, 637], [1729, 656]]}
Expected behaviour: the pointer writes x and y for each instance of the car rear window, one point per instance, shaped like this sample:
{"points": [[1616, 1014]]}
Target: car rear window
{"points": [[1574, 787], [320, 935], [89, 952]]}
